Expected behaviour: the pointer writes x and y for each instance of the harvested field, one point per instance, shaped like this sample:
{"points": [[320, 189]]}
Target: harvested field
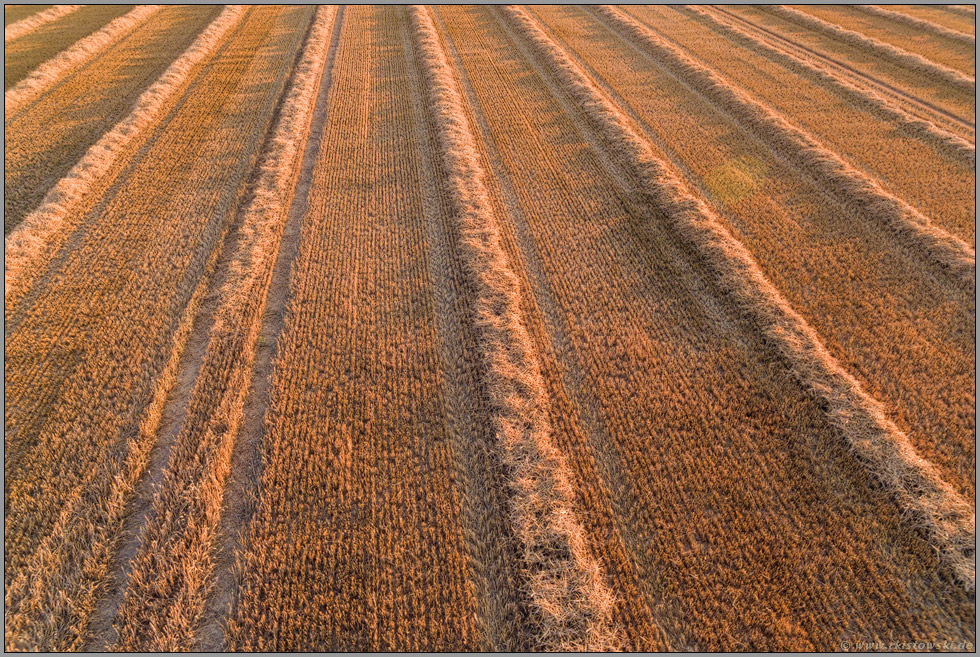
{"points": [[15, 13], [85, 103], [960, 19], [26, 49], [945, 47], [489, 328]]}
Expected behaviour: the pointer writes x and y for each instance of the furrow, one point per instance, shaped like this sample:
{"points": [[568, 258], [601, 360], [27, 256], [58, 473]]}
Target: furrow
{"points": [[580, 432], [56, 68], [852, 186], [918, 23], [71, 571], [970, 11], [173, 570], [926, 107], [241, 490], [881, 106], [49, 134], [78, 359], [567, 583], [48, 606], [148, 478], [490, 540], [14, 13], [916, 484], [877, 47], [32, 243], [31, 23], [355, 455], [934, 48]]}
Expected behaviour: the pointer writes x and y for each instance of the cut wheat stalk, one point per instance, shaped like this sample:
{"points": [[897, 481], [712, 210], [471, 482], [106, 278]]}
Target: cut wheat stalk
{"points": [[567, 587], [31, 23], [58, 67], [916, 484]]}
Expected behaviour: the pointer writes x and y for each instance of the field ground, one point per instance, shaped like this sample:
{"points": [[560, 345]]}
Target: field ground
{"points": [[489, 328]]}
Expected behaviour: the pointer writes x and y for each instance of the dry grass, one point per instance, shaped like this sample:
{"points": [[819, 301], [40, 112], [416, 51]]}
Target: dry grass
{"points": [[916, 483], [923, 95], [842, 272], [29, 24], [56, 68], [50, 134], [49, 606], [168, 583], [914, 61], [920, 24], [910, 60], [356, 455], [961, 18], [14, 13], [875, 102], [963, 10], [566, 581], [855, 188], [934, 43], [31, 244], [489, 328], [644, 391], [90, 440], [23, 55]]}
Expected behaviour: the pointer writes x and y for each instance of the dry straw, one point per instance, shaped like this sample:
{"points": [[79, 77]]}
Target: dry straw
{"points": [[31, 23], [919, 24], [566, 583], [38, 236], [962, 10], [876, 441], [856, 189], [880, 106], [49, 603], [172, 572], [59, 66], [880, 48]]}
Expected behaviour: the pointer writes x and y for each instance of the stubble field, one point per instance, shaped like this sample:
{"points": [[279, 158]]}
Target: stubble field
{"points": [[489, 328]]}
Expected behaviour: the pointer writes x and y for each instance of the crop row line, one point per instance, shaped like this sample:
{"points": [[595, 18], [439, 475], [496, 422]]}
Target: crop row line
{"points": [[853, 187], [493, 555], [846, 70], [43, 345], [71, 571], [918, 23], [549, 325], [876, 441], [878, 104], [31, 23], [174, 567], [50, 72], [969, 11], [49, 604], [247, 458], [877, 48], [567, 584], [29, 246]]}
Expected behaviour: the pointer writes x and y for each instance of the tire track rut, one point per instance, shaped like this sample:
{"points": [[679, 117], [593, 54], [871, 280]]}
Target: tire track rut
{"points": [[916, 484], [924, 107]]}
